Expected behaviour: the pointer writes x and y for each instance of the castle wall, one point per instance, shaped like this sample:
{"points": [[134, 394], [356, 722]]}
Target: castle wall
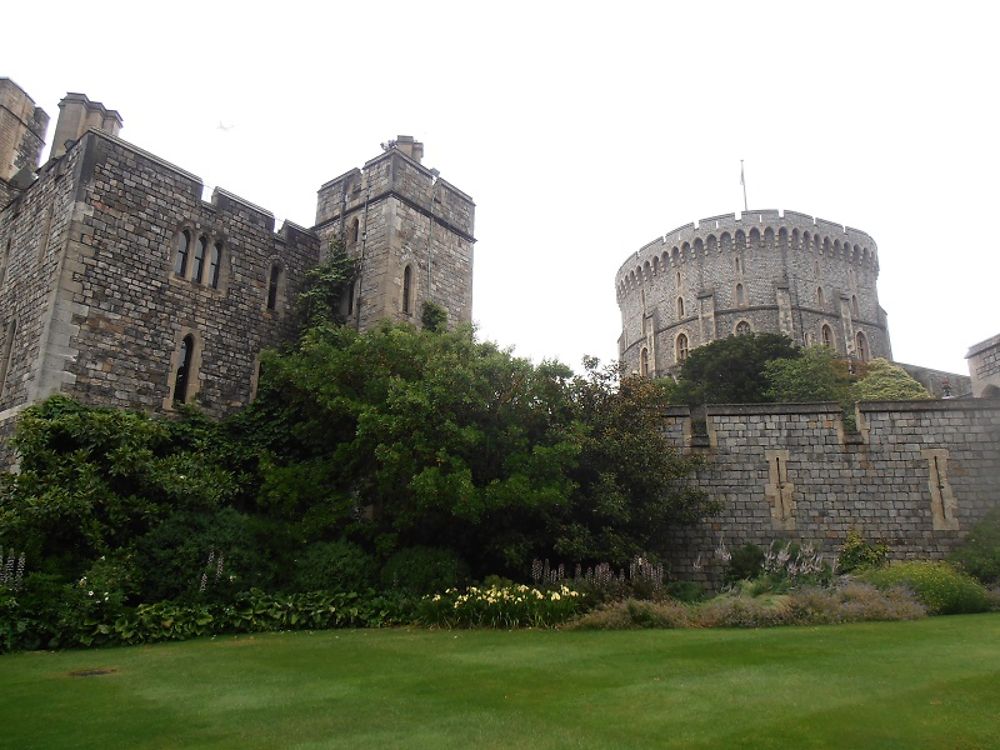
{"points": [[918, 476], [984, 368], [101, 311], [774, 273], [406, 216], [22, 131]]}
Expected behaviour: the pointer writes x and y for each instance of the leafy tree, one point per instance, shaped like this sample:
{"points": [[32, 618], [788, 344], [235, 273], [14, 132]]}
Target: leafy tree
{"points": [[885, 381], [420, 438], [731, 370], [816, 375], [433, 317]]}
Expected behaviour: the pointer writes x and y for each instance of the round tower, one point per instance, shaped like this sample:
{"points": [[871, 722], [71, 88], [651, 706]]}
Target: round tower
{"points": [[764, 272]]}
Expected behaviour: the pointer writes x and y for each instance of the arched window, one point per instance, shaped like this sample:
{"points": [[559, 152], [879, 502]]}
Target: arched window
{"points": [[355, 231], [854, 306], [182, 252], [680, 307], [741, 298], [819, 295], [862, 348], [827, 335], [199, 259], [739, 267], [742, 328], [644, 362], [182, 379], [407, 289], [215, 265], [272, 287], [350, 299], [678, 279], [681, 348]]}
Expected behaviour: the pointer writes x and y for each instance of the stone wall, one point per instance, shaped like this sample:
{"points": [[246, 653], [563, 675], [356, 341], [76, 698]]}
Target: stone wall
{"points": [[393, 214], [917, 475], [101, 312], [763, 272], [984, 368]]}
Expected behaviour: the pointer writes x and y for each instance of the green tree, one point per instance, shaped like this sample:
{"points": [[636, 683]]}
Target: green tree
{"points": [[816, 375], [325, 289], [731, 370], [885, 381], [420, 438]]}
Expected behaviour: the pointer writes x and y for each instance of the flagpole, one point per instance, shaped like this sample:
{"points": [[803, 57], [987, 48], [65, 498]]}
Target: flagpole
{"points": [[743, 182]]}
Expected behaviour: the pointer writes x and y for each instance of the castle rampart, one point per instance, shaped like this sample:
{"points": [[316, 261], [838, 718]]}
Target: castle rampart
{"points": [[984, 368], [918, 475], [763, 271]]}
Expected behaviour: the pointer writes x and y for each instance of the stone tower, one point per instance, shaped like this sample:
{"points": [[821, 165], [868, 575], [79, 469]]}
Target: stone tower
{"points": [[410, 231], [22, 137], [768, 272]]}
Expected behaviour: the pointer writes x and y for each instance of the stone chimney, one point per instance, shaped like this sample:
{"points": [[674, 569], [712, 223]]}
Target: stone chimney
{"points": [[77, 114], [22, 131], [412, 148]]}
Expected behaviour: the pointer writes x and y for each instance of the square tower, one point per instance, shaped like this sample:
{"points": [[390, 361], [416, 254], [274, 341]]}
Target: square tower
{"points": [[410, 231]]}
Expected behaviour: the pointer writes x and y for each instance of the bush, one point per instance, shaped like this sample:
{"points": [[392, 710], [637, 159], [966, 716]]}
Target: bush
{"points": [[859, 554], [853, 601], [728, 611], [685, 591], [333, 566], [745, 563], [424, 570], [515, 606], [632, 614], [979, 554], [940, 587]]}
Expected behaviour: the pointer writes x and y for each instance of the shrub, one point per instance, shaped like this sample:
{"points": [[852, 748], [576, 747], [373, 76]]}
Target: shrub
{"points": [[685, 591], [500, 607], [333, 566], [940, 587], [728, 611], [979, 554], [854, 601], [633, 614], [858, 554], [745, 563], [424, 570]]}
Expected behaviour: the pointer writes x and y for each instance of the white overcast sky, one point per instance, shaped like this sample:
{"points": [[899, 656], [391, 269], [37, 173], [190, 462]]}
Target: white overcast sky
{"points": [[582, 130]]}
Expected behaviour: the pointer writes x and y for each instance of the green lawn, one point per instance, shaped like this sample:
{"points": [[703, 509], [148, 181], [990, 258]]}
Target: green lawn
{"points": [[934, 683]]}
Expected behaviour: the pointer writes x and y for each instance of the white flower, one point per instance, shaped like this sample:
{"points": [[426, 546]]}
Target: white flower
{"points": [[90, 593]]}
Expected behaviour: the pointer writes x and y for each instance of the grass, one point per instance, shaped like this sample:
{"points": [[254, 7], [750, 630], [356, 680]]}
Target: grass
{"points": [[932, 683]]}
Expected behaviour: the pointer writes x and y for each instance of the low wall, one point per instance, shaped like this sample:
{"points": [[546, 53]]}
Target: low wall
{"points": [[917, 474]]}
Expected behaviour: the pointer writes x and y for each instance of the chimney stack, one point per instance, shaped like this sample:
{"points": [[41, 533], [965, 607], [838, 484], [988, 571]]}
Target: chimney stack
{"points": [[412, 148], [77, 114]]}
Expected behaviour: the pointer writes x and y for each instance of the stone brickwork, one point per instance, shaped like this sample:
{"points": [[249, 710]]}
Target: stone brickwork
{"points": [[396, 214], [940, 384], [91, 294], [917, 475], [22, 137], [810, 279], [984, 368], [120, 286]]}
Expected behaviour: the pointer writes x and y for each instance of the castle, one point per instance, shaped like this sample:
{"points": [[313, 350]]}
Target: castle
{"points": [[120, 286]]}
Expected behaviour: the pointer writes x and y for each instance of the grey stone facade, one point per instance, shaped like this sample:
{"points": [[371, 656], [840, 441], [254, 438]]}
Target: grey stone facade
{"points": [[918, 475], [120, 286], [395, 214], [810, 279], [984, 368]]}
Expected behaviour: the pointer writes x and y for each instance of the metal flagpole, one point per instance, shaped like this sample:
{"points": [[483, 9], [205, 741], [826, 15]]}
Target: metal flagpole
{"points": [[743, 182]]}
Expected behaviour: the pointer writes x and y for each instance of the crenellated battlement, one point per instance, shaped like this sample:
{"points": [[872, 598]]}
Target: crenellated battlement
{"points": [[747, 221]]}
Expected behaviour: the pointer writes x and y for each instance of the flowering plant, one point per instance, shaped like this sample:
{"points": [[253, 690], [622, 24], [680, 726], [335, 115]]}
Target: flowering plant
{"points": [[500, 606]]}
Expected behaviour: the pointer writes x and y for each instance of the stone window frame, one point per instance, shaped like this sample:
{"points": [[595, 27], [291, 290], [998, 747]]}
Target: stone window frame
{"points": [[7, 352], [194, 272], [742, 322], [193, 385], [644, 362], [278, 306], [680, 306], [819, 296], [827, 340], [681, 349], [407, 289], [740, 294], [861, 347]]}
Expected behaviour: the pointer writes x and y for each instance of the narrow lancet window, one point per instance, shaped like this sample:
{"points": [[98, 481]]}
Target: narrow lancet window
{"points": [[183, 375], [183, 250], [215, 265], [407, 289], [272, 287], [199, 259]]}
